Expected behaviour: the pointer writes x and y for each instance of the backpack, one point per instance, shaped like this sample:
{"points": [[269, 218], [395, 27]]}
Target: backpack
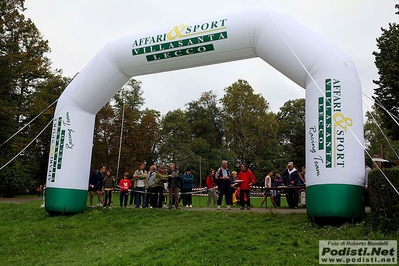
{"points": [[151, 178]]}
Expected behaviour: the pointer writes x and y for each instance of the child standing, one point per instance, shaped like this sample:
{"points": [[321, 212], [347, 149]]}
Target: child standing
{"points": [[124, 185]]}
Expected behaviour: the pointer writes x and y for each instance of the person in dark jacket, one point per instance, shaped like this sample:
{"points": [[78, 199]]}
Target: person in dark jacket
{"points": [[96, 183], [223, 180], [173, 185], [290, 178], [188, 185], [109, 185]]}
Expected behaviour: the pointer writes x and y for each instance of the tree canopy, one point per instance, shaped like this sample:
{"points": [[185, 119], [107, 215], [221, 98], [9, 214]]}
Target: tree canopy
{"points": [[27, 86], [387, 92]]}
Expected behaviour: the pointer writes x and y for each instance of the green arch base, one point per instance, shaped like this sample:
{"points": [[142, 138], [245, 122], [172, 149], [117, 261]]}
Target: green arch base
{"points": [[335, 202], [64, 201]]}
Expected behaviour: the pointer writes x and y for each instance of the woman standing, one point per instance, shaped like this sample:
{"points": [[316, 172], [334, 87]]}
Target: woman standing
{"points": [[248, 180], [188, 185]]}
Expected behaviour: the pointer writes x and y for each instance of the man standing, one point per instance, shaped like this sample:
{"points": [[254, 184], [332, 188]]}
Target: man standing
{"points": [[140, 185], [96, 182], [210, 184], [290, 178], [223, 179], [173, 185]]}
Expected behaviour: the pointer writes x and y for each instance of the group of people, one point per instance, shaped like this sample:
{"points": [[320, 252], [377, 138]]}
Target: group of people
{"points": [[227, 183], [146, 188], [151, 188], [290, 181]]}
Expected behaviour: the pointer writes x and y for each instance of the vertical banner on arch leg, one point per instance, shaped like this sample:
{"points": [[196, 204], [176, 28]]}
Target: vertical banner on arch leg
{"points": [[334, 151], [69, 160]]}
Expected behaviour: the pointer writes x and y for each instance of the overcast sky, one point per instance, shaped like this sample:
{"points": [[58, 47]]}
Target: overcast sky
{"points": [[78, 29]]}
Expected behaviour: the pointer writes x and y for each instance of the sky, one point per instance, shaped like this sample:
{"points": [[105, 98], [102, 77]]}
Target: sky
{"points": [[78, 29]]}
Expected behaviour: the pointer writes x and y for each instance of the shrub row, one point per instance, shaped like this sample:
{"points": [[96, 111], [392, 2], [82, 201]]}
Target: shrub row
{"points": [[384, 200]]}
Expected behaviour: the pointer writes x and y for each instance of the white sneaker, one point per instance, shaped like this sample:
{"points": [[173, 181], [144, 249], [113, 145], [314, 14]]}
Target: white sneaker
{"points": [[191, 206], [218, 207], [228, 207], [187, 206]]}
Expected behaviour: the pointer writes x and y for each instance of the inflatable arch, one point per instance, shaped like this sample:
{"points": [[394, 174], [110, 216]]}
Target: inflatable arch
{"points": [[334, 127]]}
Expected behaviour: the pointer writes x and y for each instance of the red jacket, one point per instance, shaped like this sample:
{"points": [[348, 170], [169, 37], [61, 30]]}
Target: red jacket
{"points": [[247, 178], [125, 184], [210, 181]]}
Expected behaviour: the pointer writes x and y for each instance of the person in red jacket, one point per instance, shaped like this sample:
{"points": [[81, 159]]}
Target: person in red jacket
{"points": [[124, 185], [210, 184], [248, 180]]}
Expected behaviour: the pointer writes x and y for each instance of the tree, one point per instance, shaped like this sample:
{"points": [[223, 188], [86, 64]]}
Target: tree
{"points": [[250, 127], [204, 118], [149, 135], [140, 131], [291, 135], [125, 104], [175, 145], [105, 139], [377, 141], [387, 63], [24, 66]]}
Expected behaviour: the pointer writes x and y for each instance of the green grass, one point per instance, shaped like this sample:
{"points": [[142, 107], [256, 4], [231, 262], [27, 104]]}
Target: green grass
{"points": [[128, 236]]}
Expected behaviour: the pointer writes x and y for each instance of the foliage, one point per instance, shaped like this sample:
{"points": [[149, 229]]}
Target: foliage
{"points": [[175, 145], [204, 118], [140, 131], [384, 200], [250, 129], [163, 237], [387, 63], [26, 84], [291, 135], [378, 142]]}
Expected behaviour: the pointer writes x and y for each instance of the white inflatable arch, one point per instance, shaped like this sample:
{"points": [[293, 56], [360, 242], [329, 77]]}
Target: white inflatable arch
{"points": [[334, 127]]}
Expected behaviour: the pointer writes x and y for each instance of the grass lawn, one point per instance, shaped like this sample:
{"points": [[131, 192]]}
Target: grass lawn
{"points": [[128, 236]]}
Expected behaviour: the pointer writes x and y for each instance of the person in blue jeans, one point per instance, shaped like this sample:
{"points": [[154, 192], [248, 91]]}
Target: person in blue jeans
{"points": [[140, 186], [188, 185]]}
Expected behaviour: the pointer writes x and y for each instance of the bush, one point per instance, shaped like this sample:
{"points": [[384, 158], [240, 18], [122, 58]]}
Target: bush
{"points": [[384, 200]]}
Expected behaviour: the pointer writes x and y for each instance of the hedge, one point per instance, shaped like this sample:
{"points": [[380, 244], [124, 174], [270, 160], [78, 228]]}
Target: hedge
{"points": [[384, 200]]}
